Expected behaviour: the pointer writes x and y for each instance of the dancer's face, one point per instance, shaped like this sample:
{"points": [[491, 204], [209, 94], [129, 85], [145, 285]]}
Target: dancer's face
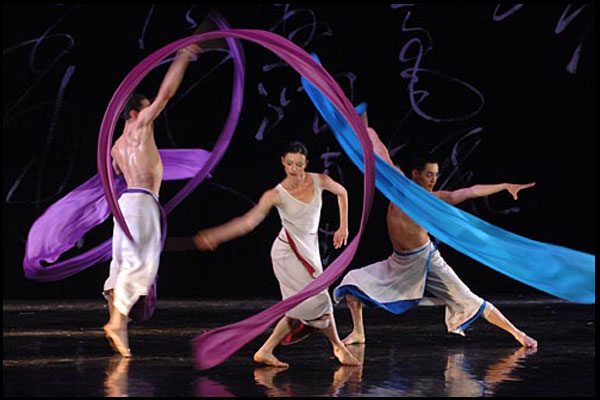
{"points": [[427, 177], [294, 164]]}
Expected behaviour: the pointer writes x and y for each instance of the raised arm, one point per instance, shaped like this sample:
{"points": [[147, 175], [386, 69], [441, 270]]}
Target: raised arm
{"points": [[458, 196], [341, 235], [170, 83], [380, 149], [209, 239]]}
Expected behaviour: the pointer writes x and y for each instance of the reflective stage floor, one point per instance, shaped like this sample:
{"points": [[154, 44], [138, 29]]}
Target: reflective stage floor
{"points": [[58, 348]]}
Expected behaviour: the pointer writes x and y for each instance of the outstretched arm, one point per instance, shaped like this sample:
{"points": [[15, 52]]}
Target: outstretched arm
{"points": [[341, 235], [209, 239], [458, 196], [170, 83]]}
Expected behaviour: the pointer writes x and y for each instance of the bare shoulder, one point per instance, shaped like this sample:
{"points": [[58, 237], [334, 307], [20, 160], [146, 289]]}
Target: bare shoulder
{"points": [[271, 197], [326, 182], [271, 193], [146, 116], [324, 178], [119, 146], [330, 185], [147, 113], [142, 130]]}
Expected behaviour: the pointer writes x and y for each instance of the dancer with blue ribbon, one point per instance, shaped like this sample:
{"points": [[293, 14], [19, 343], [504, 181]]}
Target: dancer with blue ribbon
{"points": [[560, 271], [415, 272], [557, 270]]}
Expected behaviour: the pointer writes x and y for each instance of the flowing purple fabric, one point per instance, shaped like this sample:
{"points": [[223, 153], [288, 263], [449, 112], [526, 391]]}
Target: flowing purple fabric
{"points": [[65, 222]]}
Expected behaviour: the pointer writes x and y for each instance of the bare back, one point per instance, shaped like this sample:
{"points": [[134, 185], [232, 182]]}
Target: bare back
{"points": [[137, 157]]}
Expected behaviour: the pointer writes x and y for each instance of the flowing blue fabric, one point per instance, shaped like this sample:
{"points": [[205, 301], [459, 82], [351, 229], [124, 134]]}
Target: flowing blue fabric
{"points": [[559, 271]]}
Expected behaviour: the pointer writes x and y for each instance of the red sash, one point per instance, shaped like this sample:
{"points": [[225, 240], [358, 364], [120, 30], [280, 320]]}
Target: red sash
{"points": [[306, 264]]}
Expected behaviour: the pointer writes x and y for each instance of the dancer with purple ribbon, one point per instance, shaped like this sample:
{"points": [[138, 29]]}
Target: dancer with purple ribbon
{"points": [[135, 156], [415, 268], [295, 252]]}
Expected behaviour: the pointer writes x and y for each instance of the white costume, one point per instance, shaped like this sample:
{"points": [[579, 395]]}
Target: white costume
{"points": [[134, 264], [301, 221], [401, 281]]}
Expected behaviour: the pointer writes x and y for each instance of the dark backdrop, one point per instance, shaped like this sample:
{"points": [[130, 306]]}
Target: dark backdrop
{"points": [[508, 95]]}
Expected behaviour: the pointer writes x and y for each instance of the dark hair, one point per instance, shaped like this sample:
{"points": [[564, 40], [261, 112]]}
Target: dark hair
{"points": [[133, 103], [295, 148], [419, 161]]}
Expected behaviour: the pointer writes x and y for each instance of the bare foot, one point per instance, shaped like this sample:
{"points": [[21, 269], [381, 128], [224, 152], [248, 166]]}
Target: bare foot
{"points": [[354, 338], [269, 359], [358, 351], [118, 340], [528, 342], [344, 356]]}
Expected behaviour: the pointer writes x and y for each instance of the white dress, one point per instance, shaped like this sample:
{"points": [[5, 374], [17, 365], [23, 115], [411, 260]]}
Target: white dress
{"points": [[301, 221]]}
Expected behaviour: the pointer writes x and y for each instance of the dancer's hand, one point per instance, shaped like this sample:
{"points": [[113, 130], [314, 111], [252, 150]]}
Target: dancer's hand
{"points": [[514, 188], [340, 237]]}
